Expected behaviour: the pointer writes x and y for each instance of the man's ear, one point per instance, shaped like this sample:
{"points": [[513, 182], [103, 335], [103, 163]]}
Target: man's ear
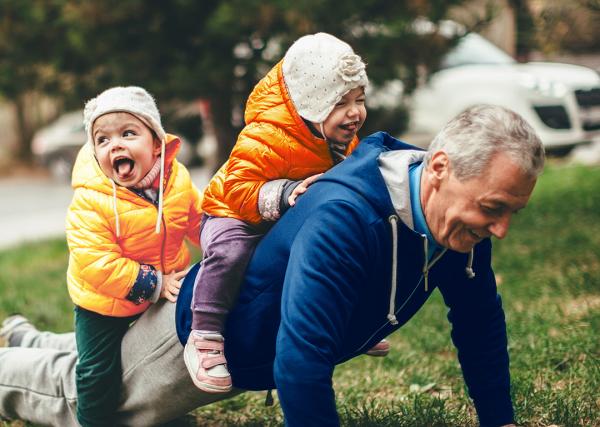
{"points": [[438, 168]]}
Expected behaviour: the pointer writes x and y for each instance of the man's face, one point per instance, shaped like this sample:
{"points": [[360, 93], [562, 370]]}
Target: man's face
{"points": [[462, 213]]}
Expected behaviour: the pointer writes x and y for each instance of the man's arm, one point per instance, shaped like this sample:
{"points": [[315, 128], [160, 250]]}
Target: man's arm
{"points": [[479, 334], [325, 272]]}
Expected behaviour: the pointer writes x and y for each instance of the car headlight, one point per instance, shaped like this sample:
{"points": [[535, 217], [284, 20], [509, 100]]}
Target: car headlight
{"points": [[543, 86]]}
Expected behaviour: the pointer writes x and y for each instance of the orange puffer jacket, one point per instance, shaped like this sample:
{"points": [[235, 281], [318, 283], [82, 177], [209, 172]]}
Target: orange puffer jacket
{"points": [[274, 144], [103, 267]]}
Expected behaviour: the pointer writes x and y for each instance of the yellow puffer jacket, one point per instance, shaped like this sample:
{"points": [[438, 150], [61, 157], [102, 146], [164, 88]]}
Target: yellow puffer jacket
{"points": [[103, 267], [274, 144]]}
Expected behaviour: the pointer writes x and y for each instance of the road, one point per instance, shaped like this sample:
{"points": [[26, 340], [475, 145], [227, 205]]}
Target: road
{"points": [[35, 208]]}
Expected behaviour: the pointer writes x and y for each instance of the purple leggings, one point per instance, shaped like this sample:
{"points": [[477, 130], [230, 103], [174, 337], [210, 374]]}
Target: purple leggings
{"points": [[227, 245]]}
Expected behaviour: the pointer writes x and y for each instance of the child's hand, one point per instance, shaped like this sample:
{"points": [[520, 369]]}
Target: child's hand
{"points": [[301, 188], [171, 284]]}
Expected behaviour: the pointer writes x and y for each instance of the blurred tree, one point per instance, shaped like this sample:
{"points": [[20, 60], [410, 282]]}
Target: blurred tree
{"points": [[555, 29], [30, 32], [211, 49], [525, 28]]}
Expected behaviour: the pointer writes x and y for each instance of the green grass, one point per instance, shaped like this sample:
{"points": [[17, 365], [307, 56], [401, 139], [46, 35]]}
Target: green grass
{"points": [[549, 275]]}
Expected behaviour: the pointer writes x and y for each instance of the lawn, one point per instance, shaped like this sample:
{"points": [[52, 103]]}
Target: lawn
{"points": [[548, 270]]}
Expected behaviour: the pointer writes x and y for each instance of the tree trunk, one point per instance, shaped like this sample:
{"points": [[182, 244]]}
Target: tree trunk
{"points": [[24, 131], [225, 132], [525, 28]]}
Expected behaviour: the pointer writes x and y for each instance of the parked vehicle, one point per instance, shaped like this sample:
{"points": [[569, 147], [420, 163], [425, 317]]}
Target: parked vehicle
{"points": [[56, 145], [560, 101]]}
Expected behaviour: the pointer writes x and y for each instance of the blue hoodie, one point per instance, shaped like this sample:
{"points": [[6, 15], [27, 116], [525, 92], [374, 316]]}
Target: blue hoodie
{"points": [[317, 293]]}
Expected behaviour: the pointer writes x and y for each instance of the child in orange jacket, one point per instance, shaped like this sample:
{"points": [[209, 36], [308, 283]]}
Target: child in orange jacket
{"points": [[301, 119], [132, 209]]}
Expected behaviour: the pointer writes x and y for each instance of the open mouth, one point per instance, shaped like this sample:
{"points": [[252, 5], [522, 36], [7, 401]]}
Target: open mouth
{"points": [[123, 166], [350, 127], [475, 235]]}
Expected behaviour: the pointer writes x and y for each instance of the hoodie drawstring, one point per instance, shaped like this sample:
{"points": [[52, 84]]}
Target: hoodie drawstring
{"points": [[322, 131], [114, 186], [393, 220], [161, 186], [426, 264], [160, 194], [426, 261], [469, 267]]}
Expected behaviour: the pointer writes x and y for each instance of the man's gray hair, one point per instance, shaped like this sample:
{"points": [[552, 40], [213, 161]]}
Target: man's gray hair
{"points": [[473, 137]]}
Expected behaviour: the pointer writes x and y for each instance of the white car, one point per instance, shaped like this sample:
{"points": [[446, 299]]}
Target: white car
{"points": [[560, 101], [56, 145]]}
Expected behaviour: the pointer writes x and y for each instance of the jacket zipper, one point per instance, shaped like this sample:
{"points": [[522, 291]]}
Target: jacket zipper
{"points": [[424, 275], [163, 243]]}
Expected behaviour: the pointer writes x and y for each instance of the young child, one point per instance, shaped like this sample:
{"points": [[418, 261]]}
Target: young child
{"points": [[132, 208], [301, 119]]}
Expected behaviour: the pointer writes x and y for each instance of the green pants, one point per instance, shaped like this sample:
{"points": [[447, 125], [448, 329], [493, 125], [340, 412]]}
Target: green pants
{"points": [[98, 371]]}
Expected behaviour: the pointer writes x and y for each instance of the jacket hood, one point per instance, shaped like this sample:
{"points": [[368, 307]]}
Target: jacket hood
{"points": [[351, 172], [87, 172], [394, 166], [270, 102]]}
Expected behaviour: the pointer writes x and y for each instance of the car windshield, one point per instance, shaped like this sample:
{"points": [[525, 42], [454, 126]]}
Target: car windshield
{"points": [[474, 49]]}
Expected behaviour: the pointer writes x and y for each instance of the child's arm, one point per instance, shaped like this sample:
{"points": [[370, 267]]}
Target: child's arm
{"points": [[155, 286], [171, 283], [301, 189], [96, 259], [252, 163], [278, 196]]}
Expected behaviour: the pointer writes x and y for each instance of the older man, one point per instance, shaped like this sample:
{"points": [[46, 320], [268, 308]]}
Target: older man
{"points": [[352, 262]]}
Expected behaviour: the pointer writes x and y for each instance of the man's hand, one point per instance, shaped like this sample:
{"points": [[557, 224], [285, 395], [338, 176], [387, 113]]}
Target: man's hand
{"points": [[171, 284], [301, 188]]}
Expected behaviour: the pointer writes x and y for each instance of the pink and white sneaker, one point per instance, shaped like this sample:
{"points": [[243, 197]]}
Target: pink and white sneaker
{"points": [[204, 358], [381, 349]]}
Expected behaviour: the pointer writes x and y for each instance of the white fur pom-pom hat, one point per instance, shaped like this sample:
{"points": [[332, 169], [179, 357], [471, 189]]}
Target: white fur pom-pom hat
{"points": [[318, 69]]}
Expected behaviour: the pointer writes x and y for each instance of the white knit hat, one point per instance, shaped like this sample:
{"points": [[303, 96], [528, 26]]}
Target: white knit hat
{"points": [[318, 70], [134, 100], [131, 99]]}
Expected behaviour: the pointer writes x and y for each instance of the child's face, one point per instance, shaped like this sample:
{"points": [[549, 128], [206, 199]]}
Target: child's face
{"points": [[347, 117], [125, 147]]}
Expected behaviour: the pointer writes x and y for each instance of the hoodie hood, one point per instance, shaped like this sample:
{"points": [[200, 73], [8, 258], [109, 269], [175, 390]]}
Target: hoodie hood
{"points": [[394, 167], [353, 176]]}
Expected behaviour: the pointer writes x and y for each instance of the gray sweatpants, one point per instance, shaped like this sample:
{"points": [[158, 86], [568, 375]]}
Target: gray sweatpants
{"points": [[37, 380]]}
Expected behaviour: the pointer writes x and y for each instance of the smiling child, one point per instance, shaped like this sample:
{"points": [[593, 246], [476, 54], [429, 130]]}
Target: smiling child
{"points": [[302, 119]]}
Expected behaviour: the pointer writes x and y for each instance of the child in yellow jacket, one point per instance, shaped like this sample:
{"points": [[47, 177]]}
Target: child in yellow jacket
{"points": [[301, 119], [132, 208]]}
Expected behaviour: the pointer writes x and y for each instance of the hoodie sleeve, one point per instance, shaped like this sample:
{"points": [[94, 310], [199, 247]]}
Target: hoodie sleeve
{"points": [[479, 334], [93, 248], [255, 159], [325, 272]]}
